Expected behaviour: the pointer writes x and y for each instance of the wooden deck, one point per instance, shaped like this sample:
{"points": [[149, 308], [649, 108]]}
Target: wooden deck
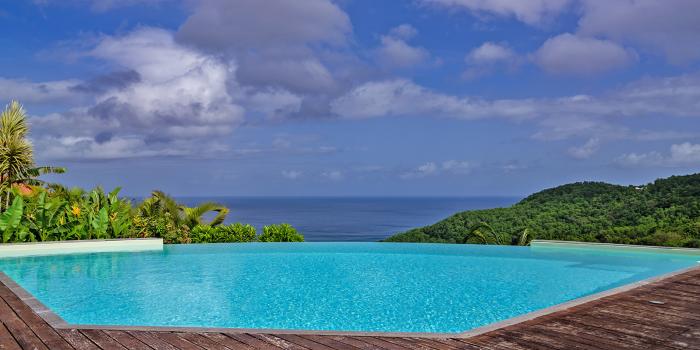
{"points": [[661, 315]]}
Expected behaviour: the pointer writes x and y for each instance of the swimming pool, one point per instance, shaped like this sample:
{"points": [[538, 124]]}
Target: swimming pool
{"points": [[379, 287]]}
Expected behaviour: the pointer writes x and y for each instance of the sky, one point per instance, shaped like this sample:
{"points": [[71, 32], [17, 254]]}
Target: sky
{"points": [[355, 97]]}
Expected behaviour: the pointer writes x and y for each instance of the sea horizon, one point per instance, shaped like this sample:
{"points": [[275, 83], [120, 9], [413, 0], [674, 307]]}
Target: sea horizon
{"points": [[348, 219]]}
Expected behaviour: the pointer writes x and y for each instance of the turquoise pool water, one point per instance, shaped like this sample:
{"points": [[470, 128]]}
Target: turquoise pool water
{"points": [[326, 286]]}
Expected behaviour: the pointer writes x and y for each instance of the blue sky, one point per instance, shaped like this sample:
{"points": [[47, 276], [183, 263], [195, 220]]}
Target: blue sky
{"points": [[356, 97]]}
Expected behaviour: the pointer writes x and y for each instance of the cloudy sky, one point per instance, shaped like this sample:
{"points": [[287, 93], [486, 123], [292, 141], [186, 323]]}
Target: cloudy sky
{"points": [[356, 97]]}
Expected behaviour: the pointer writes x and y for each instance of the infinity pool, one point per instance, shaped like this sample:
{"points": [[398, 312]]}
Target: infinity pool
{"points": [[326, 286]]}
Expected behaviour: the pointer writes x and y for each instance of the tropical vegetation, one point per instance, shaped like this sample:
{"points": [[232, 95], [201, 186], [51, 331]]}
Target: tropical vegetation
{"points": [[32, 210], [664, 213]]}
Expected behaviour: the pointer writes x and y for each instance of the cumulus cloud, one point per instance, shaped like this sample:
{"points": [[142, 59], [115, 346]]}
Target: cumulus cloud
{"points": [[684, 154], [455, 167], [586, 150], [488, 57], [558, 118], [402, 97], [572, 54], [99, 5], [534, 12], [57, 91], [217, 24], [277, 43], [292, 174], [396, 52], [669, 27], [174, 98]]}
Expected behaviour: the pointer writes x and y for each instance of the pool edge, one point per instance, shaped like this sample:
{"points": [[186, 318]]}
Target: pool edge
{"points": [[57, 322]]}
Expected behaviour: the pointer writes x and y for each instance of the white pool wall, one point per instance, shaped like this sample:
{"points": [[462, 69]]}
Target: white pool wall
{"points": [[610, 246], [8, 250]]}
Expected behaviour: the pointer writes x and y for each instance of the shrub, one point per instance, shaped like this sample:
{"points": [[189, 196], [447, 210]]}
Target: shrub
{"points": [[280, 233], [234, 233]]}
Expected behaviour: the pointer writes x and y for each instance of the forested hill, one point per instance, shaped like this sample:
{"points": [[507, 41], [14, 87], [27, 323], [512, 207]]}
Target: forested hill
{"points": [[665, 212]]}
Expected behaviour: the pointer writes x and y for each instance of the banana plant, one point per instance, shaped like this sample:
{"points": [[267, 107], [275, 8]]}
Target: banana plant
{"points": [[99, 224], [46, 220], [11, 223], [119, 214]]}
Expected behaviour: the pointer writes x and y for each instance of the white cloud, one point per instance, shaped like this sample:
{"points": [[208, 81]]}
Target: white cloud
{"points": [[276, 43], [404, 98], [395, 51], [404, 31], [572, 54], [421, 171], [180, 103], [488, 57], [272, 23], [533, 12], [490, 52], [558, 118], [273, 103], [292, 174], [455, 167], [684, 154], [333, 175], [669, 27], [99, 5], [87, 148], [57, 91], [586, 150]]}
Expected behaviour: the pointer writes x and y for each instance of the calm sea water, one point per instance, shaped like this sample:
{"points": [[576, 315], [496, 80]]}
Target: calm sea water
{"points": [[349, 219]]}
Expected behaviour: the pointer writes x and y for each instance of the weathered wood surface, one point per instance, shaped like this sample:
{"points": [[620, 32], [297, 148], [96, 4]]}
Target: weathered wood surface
{"points": [[628, 320]]}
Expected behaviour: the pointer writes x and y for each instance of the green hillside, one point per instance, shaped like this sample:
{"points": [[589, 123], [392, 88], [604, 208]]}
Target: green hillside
{"points": [[665, 212]]}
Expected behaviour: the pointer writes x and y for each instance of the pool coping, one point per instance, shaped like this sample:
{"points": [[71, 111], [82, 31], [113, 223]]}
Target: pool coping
{"points": [[57, 322], [539, 243], [27, 249]]}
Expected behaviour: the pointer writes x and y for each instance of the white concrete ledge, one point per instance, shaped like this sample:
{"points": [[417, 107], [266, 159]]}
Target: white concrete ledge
{"points": [[8, 250], [611, 246]]}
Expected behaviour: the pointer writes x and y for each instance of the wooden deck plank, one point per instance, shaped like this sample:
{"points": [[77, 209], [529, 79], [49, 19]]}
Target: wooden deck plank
{"points": [[151, 340], [203, 341], [77, 339], [7, 341], [328, 341], [102, 340], [227, 341], [252, 341], [24, 335], [284, 341], [356, 342], [42, 330], [127, 340], [381, 343], [175, 340]]}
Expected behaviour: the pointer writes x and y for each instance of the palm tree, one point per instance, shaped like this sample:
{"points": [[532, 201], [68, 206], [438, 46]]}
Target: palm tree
{"points": [[161, 204], [484, 232], [16, 153]]}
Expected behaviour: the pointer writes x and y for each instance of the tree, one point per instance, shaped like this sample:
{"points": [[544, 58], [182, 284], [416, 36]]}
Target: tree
{"points": [[17, 154], [162, 205]]}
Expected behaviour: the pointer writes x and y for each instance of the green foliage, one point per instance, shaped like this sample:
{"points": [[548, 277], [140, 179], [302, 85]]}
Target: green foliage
{"points": [[50, 212], [11, 223], [280, 233], [234, 233], [665, 212]]}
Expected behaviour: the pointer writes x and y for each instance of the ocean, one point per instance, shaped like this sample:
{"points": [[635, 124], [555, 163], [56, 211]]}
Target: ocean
{"points": [[349, 219]]}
